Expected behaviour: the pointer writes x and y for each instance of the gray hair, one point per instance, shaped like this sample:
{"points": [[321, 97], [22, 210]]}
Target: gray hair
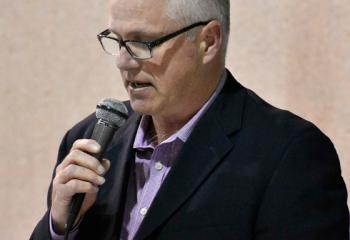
{"points": [[191, 11]]}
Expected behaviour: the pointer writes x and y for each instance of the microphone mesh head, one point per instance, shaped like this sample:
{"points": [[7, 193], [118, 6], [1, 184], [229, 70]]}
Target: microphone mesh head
{"points": [[112, 111]]}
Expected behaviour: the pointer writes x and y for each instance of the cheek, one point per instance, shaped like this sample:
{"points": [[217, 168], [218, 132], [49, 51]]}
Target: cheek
{"points": [[173, 72], [192, 54], [122, 75]]}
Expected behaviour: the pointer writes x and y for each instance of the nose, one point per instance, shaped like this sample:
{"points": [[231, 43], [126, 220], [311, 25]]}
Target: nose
{"points": [[125, 61]]}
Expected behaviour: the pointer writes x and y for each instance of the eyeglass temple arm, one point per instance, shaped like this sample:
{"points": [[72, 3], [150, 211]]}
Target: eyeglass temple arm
{"points": [[174, 34]]}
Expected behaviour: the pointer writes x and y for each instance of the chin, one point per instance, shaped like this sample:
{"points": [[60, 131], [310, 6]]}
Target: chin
{"points": [[141, 107]]}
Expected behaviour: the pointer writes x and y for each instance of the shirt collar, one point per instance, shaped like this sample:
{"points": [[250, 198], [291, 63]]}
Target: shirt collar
{"points": [[142, 139]]}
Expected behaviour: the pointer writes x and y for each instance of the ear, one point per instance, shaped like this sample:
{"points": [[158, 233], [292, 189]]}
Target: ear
{"points": [[211, 41]]}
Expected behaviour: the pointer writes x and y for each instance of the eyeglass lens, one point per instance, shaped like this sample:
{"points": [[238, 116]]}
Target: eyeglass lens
{"points": [[136, 49]]}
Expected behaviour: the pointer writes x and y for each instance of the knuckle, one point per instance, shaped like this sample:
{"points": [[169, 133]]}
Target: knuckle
{"points": [[70, 170], [91, 177], [57, 177], [95, 164], [91, 162], [89, 186], [75, 153], [55, 181], [73, 185], [60, 188], [86, 187], [77, 143], [57, 170], [76, 186], [96, 179]]}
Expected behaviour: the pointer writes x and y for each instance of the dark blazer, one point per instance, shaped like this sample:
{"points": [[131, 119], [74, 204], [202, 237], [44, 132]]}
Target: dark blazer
{"points": [[247, 171]]}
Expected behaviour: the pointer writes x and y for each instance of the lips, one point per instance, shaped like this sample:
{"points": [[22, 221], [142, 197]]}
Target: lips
{"points": [[136, 85]]}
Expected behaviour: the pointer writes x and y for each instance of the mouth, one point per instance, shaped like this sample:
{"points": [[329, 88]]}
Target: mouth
{"points": [[136, 85]]}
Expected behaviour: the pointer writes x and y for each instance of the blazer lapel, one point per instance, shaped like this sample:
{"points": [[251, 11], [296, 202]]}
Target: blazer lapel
{"points": [[203, 151]]}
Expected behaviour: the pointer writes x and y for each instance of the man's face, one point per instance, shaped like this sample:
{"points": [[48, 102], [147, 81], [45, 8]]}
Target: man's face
{"points": [[168, 83]]}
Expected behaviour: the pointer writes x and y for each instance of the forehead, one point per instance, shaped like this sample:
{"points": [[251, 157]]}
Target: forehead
{"points": [[142, 14]]}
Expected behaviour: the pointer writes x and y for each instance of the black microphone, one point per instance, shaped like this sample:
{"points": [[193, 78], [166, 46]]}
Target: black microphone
{"points": [[111, 115]]}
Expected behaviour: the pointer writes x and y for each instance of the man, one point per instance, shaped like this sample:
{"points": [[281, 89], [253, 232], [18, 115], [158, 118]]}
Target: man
{"points": [[200, 157]]}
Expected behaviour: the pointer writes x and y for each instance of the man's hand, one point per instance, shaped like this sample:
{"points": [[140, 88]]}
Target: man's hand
{"points": [[79, 172]]}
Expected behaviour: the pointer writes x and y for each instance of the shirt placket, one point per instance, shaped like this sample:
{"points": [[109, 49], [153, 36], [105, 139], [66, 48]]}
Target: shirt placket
{"points": [[159, 167]]}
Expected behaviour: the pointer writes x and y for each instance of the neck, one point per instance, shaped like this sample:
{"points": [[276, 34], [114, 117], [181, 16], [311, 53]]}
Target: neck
{"points": [[165, 126]]}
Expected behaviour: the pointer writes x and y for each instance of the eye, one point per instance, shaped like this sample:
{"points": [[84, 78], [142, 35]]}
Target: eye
{"points": [[137, 46], [143, 36]]}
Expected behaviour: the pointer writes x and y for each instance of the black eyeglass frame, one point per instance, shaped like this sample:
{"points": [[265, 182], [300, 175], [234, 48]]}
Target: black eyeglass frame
{"points": [[149, 44]]}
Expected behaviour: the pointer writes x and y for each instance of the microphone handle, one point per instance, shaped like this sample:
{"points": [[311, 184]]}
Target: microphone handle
{"points": [[103, 133]]}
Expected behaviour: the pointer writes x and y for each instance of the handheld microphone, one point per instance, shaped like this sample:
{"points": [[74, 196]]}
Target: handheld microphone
{"points": [[111, 115]]}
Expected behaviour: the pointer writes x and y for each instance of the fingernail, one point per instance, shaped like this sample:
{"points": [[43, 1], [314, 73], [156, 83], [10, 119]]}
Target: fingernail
{"points": [[96, 147], [100, 169], [101, 180]]}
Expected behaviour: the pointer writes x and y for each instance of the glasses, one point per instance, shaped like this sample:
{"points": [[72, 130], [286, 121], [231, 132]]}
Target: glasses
{"points": [[138, 49]]}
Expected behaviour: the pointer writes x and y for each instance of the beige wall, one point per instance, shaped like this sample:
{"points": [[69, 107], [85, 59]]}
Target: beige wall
{"points": [[295, 54]]}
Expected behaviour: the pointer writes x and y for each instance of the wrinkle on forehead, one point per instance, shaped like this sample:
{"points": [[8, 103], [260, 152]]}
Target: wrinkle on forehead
{"points": [[148, 15]]}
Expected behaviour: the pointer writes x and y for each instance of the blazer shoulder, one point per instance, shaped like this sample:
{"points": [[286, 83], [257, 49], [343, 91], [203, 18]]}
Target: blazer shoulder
{"points": [[82, 129], [258, 110]]}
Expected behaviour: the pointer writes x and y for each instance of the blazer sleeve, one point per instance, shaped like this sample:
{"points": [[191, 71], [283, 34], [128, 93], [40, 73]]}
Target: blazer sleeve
{"points": [[306, 197], [81, 130], [42, 229]]}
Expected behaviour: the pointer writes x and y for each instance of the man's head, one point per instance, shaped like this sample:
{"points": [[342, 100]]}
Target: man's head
{"points": [[183, 71]]}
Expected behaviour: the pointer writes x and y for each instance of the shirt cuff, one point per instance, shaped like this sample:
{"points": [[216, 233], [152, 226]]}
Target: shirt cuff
{"points": [[55, 236]]}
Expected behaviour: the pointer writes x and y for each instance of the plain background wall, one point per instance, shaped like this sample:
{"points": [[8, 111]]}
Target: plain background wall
{"points": [[295, 54]]}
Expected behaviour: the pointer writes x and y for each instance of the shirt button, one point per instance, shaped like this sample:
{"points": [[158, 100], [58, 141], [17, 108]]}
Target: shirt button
{"points": [[158, 166], [143, 211]]}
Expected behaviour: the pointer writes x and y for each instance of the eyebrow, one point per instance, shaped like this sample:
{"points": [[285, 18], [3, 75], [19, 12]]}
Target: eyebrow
{"points": [[138, 33]]}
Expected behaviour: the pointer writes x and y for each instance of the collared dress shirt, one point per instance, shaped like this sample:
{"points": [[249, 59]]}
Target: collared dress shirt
{"points": [[152, 164]]}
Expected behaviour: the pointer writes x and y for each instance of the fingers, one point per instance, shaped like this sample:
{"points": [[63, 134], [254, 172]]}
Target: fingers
{"points": [[79, 171], [88, 145], [82, 173], [79, 155], [78, 186]]}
